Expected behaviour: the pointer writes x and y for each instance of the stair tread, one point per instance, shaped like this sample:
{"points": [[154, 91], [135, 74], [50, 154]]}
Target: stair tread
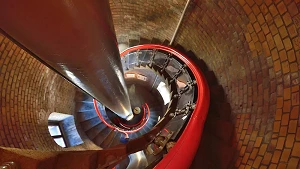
{"points": [[94, 131], [108, 139], [101, 136], [116, 140], [86, 125], [84, 116]]}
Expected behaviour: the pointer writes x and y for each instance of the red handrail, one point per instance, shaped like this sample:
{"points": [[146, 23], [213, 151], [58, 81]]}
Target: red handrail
{"points": [[145, 107], [183, 152]]}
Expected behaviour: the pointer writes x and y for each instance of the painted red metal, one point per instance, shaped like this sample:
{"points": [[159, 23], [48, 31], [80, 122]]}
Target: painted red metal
{"points": [[182, 154], [126, 132]]}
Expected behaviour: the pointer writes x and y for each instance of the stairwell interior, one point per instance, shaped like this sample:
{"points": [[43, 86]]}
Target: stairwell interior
{"points": [[249, 51]]}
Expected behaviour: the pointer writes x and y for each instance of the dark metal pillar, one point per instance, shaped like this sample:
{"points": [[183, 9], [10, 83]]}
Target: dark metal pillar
{"points": [[77, 39]]}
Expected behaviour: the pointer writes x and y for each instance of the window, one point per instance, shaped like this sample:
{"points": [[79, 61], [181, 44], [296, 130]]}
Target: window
{"points": [[164, 92], [56, 134], [63, 130]]}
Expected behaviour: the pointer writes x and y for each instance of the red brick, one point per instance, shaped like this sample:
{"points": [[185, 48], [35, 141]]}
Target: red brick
{"points": [[292, 31], [292, 126], [294, 67], [279, 102], [273, 29], [283, 32], [278, 114], [276, 156], [245, 158], [280, 143], [262, 149], [253, 153], [287, 106], [285, 155], [291, 56], [285, 119], [278, 42], [295, 98], [281, 166], [287, 93], [267, 158], [296, 149], [287, 43], [277, 66], [292, 8], [295, 112], [259, 140], [287, 19], [285, 67], [257, 162], [296, 43], [283, 131], [293, 163], [281, 8], [290, 140], [273, 10], [278, 21]]}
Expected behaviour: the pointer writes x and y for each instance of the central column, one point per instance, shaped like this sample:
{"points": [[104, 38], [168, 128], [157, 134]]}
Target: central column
{"points": [[77, 39]]}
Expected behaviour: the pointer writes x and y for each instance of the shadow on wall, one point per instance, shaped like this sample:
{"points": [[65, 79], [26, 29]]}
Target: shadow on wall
{"points": [[217, 147]]}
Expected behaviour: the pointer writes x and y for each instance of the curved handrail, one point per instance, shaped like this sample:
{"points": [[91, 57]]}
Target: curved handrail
{"points": [[134, 125], [188, 143], [126, 132]]}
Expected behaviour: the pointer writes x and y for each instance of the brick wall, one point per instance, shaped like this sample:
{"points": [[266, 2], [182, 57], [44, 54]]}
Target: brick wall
{"points": [[252, 45], [253, 48], [29, 93], [148, 19]]}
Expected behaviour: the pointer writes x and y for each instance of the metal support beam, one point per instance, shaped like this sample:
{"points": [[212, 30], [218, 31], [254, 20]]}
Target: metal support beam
{"points": [[77, 39], [179, 22]]}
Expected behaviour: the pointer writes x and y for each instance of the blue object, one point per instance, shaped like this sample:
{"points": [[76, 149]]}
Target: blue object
{"points": [[124, 140]]}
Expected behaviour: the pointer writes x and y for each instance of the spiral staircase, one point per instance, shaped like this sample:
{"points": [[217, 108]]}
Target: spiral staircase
{"points": [[170, 91], [160, 66]]}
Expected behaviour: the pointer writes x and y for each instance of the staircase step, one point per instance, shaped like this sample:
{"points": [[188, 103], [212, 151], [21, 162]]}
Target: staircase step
{"points": [[144, 41], [84, 116], [212, 153], [108, 139], [86, 125], [116, 140], [94, 131], [133, 42], [155, 41], [101, 136], [86, 107]]}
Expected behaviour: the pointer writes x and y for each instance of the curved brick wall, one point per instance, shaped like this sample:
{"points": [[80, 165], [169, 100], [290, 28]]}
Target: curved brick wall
{"points": [[253, 48], [29, 93], [251, 45]]}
